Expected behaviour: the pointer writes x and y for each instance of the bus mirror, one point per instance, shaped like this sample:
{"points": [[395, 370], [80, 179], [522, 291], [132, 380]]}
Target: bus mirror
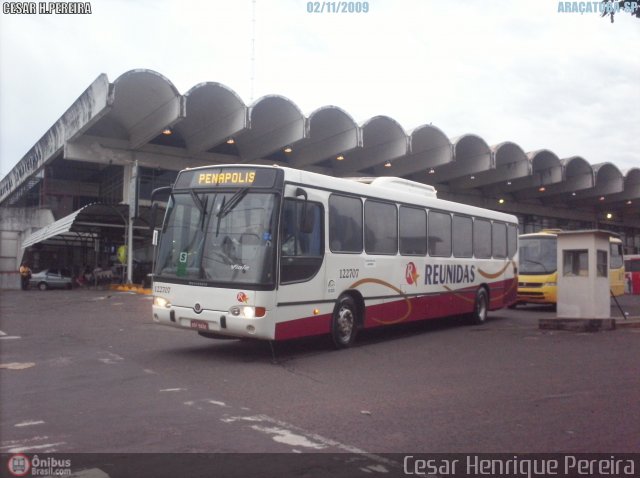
{"points": [[307, 220], [152, 218], [301, 192], [154, 206]]}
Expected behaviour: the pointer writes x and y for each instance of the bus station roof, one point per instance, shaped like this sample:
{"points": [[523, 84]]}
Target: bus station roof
{"points": [[143, 113]]}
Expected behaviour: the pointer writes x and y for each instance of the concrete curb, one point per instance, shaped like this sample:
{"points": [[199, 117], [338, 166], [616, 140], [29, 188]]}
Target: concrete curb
{"points": [[577, 325], [587, 325], [628, 323]]}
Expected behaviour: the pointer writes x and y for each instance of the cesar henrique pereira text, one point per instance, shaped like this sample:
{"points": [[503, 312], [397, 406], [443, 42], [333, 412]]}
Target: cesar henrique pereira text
{"points": [[528, 467]]}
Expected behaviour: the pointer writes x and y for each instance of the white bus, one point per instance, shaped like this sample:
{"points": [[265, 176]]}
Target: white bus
{"points": [[277, 253]]}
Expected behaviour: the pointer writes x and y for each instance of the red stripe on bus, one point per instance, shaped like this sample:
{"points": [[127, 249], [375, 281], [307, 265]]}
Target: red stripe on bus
{"points": [[455, 302], [305, 327]]}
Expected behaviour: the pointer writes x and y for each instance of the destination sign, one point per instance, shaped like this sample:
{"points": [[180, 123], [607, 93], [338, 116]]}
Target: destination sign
{"points": [[244, 178], [228, 177]]}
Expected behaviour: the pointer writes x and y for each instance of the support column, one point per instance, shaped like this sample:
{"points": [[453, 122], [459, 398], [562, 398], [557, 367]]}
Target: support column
{"points": [[130, 196]]}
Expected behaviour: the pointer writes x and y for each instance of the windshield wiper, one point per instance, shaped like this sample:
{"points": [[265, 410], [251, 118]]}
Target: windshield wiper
{"points": [[228, 206], [197, 201], [202, 207], [544, 267]]}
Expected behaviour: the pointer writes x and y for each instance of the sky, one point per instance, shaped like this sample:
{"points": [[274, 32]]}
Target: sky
{"points": [[506, 70]]}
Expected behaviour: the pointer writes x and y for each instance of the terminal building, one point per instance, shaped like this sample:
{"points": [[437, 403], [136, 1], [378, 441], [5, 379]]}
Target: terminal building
{"points": [[83, 190]]}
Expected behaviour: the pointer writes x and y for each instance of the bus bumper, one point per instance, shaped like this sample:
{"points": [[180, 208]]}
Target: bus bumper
{"points": [[537, 294], [214, 322]]}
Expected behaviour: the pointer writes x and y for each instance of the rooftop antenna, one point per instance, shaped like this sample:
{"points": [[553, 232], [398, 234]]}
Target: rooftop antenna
{"points": [[253, 46]]}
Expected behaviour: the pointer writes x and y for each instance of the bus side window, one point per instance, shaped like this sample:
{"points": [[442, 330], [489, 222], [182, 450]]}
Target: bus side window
{"points": [[512, 240], [481, 239], [499, 240], [462, 236], [439, 237], [381, 227], [413, 231], [616, 255], [345, 224]]}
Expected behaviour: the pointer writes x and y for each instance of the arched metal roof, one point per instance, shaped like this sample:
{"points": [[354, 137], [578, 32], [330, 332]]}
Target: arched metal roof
{"points": [[144, 104], [109, 120], [332, 133], [471, 155], [608, 178], [509, 162], [215, 113], [429, 148], [383, 139], [275, 122]]}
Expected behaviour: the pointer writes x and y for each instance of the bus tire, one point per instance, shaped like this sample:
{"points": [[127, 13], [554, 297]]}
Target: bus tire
{"points": [[344, 324], [480, 307]]}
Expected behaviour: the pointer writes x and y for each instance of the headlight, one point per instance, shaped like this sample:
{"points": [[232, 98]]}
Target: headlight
{"points": [[550, 284], [161, 302], [247, 311]]}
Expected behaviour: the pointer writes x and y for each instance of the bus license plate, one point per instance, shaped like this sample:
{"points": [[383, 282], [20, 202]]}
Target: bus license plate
{"points": [[199, 325]]}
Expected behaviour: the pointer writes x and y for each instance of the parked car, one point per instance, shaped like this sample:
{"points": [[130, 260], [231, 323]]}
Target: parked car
{"points": [[51, 279]]}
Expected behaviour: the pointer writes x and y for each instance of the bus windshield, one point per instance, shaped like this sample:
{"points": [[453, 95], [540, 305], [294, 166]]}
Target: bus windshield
{"points": [[538, 255], [221, 238]]}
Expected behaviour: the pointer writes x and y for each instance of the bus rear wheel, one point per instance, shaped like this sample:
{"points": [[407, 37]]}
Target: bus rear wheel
{"points": [[481, 307], [344, 324]]}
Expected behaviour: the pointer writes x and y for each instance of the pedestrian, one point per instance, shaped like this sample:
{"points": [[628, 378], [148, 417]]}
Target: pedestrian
{"points": [[25, 276]]}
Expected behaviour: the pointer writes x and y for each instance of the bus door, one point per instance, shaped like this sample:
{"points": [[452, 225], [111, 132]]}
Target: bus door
{"points": [[632, 273], [301, 279]]}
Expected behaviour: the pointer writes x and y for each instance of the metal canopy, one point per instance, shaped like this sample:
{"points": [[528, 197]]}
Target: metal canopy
{"points": [[84, 224]]}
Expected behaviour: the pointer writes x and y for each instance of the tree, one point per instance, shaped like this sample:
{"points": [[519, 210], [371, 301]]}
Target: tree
{"points": [[611, 7]]}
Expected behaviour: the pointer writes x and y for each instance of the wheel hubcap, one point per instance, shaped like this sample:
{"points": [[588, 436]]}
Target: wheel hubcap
{"points": [[482, 307], [345, 323]]}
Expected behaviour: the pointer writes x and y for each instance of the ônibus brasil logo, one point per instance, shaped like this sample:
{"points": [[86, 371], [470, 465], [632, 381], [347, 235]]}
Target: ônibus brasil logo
{"points": [[411, 274], [19, 465]]}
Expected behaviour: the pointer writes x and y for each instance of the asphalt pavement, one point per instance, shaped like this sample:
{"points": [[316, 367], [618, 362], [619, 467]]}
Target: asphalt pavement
{"points": [[87, 371]]}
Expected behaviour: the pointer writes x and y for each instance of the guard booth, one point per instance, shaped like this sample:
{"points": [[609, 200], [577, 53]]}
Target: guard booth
{"points": [[583, 274]]}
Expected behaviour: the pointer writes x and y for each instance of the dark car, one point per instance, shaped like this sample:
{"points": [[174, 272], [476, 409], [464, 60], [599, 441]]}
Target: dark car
{"points": [[51, 279]]}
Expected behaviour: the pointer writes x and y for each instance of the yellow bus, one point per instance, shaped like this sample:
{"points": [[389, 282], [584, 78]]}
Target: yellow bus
{"points": [[538, 276]]}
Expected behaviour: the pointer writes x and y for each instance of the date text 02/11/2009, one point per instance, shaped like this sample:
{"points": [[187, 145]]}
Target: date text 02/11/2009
{"points": [[337, 7]]}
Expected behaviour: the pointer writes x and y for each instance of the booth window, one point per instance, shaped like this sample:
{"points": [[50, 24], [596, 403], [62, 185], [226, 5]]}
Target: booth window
{"points": [[602, 264], [575, 263]]}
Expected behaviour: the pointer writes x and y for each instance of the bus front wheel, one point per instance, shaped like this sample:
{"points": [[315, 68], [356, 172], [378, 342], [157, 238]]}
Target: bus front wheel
{"points": [[480, 307], [344, 324]]}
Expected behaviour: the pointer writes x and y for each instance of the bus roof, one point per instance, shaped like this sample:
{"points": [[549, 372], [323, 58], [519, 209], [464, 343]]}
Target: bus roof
{"points": [[613, 236]]}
